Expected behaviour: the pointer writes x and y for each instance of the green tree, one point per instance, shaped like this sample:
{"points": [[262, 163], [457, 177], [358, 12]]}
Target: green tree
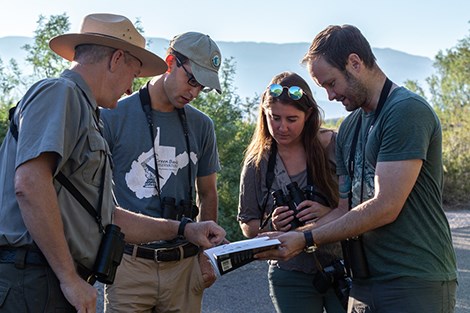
{"points": [[233, 133], [10, 78], [45, 62], [450, 96]]}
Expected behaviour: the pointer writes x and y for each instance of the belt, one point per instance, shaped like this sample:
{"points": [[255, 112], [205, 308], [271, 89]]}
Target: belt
{"points": [[22, 256], [163, 254], [27, 255]]}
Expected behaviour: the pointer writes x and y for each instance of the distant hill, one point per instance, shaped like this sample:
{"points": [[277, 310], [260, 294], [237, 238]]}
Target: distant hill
{"points": [[257, 63]]}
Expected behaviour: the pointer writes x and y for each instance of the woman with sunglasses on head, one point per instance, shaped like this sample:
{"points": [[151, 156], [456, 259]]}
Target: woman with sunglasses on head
{"points": [[289, 147]]}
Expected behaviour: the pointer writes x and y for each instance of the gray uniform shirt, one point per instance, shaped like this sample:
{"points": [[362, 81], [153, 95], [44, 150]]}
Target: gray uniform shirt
{"points": [[58, 115]]}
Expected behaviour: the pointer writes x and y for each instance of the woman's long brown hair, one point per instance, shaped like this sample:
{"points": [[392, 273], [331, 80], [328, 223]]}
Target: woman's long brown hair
{"points": [[322, 173]]}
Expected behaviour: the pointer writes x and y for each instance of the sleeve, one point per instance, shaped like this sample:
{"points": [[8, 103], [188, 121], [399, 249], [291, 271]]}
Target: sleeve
{"points": [[49, 119], [209, 161], [407, 131], [248, 205]]}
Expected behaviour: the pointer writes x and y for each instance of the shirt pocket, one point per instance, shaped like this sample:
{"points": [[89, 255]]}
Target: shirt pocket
{"points": [[97, 153]]}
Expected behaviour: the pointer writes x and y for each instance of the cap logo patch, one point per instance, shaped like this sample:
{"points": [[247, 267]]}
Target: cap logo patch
{"points": [[216, 61]]}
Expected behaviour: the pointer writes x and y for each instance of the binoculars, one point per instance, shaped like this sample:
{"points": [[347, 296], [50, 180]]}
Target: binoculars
{"points": [[186, 208], [294, 197]]}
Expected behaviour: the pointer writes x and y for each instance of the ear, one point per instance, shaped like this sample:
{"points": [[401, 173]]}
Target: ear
{"points": [[116, 57], [170, 61], [354, 63]]}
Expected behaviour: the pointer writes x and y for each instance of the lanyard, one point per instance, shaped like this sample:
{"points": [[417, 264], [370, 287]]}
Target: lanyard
{"points": [[383, 97], [146, 106]]}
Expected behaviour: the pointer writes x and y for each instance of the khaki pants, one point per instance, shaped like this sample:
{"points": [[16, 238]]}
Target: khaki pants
{"points": [[143, 285]]}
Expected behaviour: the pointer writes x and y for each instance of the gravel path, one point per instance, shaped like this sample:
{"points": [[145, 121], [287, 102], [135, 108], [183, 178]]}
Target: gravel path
{"points": [[246, 289]]}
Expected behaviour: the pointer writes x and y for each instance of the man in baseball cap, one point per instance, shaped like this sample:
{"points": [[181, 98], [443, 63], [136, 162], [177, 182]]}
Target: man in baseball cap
{"points": [[204, 57], [173, 161], [56, 181]]}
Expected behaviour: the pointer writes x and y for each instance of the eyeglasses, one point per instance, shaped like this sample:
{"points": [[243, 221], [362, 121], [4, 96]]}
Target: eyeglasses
{"points": [[294, 92], [191, 79]]}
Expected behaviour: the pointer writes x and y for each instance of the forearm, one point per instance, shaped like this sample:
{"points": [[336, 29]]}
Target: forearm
{"points": [[39, 207], [364, 217], [139, 228], [208, 206], [333, 214], [250, 229], [208, 202]]}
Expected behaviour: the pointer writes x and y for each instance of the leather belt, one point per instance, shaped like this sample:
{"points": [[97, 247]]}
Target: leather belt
{"points": [[22, 256], [163, 254]]}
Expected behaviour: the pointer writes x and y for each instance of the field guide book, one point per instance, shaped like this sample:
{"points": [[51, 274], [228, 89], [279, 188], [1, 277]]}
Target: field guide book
{"points": [[227, 257]]}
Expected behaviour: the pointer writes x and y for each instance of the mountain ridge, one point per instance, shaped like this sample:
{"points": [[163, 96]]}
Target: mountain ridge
{"points": [[257, 62]]}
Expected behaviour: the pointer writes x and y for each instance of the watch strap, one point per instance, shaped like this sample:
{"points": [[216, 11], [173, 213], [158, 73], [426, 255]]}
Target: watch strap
{"points": [[310, 245], [184, 221]]}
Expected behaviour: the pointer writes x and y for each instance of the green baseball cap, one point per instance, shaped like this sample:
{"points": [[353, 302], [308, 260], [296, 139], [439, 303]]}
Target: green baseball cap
{"points": [[204, 56]]}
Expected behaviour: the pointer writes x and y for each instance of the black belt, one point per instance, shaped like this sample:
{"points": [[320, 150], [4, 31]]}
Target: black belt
{"points": [[163, 254], [22, 256]]}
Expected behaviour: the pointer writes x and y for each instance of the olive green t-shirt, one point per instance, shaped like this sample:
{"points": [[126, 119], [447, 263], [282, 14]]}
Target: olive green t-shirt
{"points": [[418, 243]]}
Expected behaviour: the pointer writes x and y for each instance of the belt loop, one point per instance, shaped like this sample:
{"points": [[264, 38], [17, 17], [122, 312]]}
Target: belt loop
{"points": [[180, 248], [134, 252], [20, 258]]}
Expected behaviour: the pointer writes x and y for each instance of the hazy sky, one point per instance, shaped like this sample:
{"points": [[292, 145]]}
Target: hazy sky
{"points": [[413, 26]]}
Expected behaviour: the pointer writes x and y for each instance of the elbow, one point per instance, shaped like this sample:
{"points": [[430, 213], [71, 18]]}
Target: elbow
{"points": [[248, 231], [391, 213]]}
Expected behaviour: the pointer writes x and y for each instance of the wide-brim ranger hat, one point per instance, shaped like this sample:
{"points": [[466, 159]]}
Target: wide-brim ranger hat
{"points": [[204, 56], [110, 30]]}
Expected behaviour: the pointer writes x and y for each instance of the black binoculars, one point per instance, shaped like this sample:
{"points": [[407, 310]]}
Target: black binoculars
{"points": [[355, 257], [109, 254], [186, 208], [292, 200]]}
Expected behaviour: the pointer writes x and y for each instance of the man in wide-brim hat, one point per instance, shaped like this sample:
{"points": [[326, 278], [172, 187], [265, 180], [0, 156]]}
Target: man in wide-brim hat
{"points": [[50, 235], [113, 31]]}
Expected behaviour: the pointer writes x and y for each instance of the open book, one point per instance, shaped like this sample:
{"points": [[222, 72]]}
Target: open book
{"points": [[225, 258]]}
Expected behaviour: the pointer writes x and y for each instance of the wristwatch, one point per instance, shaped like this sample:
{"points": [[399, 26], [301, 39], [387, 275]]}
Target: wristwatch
{"points": [[310, 245], [184, 221]]}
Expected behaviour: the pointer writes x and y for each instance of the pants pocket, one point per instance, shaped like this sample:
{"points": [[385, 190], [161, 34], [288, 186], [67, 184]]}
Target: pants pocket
{"points": [[4, 289]]}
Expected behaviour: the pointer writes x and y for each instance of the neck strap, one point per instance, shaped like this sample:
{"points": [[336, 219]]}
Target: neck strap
{"points": [[383, 97], [144, 96]]}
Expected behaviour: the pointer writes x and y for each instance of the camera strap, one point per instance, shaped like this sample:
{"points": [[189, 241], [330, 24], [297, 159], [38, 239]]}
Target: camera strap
{"points": [[96, 214], [144, 96], [269, 183], [270, 180], [351, 162]]}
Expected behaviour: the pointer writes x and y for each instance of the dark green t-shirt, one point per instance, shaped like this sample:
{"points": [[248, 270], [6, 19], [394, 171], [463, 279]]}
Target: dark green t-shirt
{"points": [[418, 243]]}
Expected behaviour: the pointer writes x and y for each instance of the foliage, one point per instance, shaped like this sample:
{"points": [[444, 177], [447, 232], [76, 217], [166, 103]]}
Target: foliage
{"points": [[233, 135], [414, 86], [45, 62], [10, 77], [450, 96]]}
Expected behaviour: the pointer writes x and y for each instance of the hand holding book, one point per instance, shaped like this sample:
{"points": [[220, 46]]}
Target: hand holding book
{"points": [[227, 257]]}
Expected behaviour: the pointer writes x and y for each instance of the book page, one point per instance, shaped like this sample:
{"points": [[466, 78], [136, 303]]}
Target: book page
{"points": [[227, 257]]}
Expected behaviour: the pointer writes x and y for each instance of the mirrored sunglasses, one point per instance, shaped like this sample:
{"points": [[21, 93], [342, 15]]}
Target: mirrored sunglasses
{"points": [[294, 92]]}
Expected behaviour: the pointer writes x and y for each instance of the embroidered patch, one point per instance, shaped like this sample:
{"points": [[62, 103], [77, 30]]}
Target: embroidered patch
{"points": [[216, 61]]}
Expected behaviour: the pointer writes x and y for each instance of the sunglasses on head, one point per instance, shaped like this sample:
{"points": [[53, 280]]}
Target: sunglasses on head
{"points": [[294, 92]]}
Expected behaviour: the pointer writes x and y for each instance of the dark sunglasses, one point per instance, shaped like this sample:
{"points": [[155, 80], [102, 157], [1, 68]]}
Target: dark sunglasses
{"points": [[191, 79], [294, 92]]}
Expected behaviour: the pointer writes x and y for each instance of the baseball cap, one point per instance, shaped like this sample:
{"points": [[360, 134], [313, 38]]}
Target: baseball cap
{"points": [[204, 55]]}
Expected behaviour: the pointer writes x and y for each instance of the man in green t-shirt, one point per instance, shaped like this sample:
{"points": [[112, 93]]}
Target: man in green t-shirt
{"points": [[389, 162]]}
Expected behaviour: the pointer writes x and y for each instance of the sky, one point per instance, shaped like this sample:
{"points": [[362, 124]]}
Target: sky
{"points": [[418, 27]]}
